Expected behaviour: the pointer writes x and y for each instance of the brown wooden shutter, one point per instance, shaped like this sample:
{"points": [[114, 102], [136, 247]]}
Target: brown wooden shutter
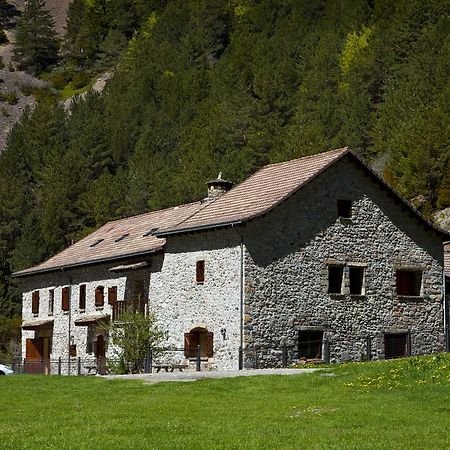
{"points": [[112, 295], [200, 271], [209, 344], [99, 296], [187, 345], [82, 303], [65, 304], [35, 302]]}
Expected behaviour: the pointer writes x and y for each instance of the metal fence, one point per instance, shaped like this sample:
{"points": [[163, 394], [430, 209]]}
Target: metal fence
{"points": [[324, 350]]}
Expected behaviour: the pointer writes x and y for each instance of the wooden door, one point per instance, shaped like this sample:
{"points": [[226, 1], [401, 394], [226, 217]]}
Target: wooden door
{"points": [[100, 352], [37, 357]]}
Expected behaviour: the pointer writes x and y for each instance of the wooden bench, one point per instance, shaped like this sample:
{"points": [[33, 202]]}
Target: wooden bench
{"points": [[170, 367], [158, 367], [91, 367]]}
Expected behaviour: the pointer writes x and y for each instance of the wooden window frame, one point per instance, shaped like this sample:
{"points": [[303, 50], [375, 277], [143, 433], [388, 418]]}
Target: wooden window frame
{"points": [[200, 271], [82, 297], [51, 302], [112, 295], [35, 300], [65, 299], [99, 296]]}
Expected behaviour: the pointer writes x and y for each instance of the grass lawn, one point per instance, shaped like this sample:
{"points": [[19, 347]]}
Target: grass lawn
{"points": [[399, 404]]}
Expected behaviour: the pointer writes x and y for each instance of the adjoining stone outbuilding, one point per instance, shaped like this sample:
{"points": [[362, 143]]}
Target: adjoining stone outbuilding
{"points": [[314, 258]]}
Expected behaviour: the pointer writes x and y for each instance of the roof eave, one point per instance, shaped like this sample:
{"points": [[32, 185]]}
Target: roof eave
{"points": [[199, 228], [25, 273]]}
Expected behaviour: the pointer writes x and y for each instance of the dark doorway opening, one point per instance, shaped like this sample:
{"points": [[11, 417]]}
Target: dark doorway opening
{"points": [[395, 345], [310, 344]]}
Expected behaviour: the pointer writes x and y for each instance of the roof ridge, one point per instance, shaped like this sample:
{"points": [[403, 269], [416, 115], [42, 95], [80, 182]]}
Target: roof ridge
{"points": [[148, 212], [336, 150]]}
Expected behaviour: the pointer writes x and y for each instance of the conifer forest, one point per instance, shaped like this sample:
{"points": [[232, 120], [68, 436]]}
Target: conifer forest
{"points": [[203, 86]]}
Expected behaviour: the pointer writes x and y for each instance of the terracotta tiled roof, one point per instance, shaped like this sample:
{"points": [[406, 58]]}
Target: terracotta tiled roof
{"points": [[118, 239], [258, 194]]}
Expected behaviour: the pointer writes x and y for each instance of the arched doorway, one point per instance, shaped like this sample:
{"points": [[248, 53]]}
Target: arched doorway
{"points": [[198, 337]]}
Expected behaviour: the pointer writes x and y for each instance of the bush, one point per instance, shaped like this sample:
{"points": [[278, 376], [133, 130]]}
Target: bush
{"points": [[80, 80], [4, 112], [12, 98]]}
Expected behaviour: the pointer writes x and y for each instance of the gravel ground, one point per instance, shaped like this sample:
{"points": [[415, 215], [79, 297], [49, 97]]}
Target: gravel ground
{"points": [[193, 376]]}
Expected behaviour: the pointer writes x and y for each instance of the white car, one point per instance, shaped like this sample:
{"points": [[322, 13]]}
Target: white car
{"points": [[5, 370]]}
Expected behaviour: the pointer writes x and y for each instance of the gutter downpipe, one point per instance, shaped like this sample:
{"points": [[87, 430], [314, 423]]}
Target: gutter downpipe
{"points": [[241, 300], [446, 318], [69, 277]]}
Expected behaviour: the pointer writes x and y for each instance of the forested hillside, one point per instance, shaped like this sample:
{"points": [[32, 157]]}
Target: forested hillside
{"points": [[213, 85]]}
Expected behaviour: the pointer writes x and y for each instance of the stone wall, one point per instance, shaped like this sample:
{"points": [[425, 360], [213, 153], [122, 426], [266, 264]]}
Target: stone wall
{"points": [[287, 256], [181, 304], [64, 322]]}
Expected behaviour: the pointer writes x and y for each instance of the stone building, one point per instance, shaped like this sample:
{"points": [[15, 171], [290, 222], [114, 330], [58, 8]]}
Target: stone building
{"points": [[315, 258]]}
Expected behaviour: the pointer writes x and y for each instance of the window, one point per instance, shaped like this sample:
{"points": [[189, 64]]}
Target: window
{"points": [[335, 276], [395, 345], [121, 238], [82, 298], [72, 350], [310, 344], [51, 301], [200, 271], [35, 302], [344, 209], [65, 300], [112, 295], [409, 282], [96, 242], [356, 275], [99, 296]]}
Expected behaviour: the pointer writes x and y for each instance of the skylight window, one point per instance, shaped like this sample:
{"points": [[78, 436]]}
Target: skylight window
{"points": [[96, 242], [149, 233], [121, 238]]}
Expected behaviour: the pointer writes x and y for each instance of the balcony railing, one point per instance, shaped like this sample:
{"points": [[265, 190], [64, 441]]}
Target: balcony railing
{"points": [[135, 305]]}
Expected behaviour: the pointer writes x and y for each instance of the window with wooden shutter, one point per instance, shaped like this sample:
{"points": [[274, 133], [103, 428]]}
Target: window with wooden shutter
{"points": [[65, 303], [35, 302], [51, 301], [82, 299], [99, 296], [200, 271], [112, 295], [209, 344], [187, 345]]}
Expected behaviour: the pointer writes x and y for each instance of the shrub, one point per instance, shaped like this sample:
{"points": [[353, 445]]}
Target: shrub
{"points": [[12, 98], [4, 112], [80, 80]]}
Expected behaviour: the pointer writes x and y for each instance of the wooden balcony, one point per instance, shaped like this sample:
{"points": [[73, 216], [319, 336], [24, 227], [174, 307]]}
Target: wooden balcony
{"points": [[134, 305]]}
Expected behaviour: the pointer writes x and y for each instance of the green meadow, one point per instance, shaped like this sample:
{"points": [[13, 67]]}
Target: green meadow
{"points": [[401, 404]]}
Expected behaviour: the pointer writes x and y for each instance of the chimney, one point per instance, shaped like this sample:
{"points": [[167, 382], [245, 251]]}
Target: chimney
{"points": [[217, 187]]}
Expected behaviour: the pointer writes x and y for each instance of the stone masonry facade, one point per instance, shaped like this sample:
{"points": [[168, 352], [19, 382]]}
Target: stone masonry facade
{"points": [[267, 281], [288, 253]]}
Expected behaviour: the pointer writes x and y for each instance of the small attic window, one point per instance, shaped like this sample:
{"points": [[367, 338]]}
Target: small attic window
{"points": [[344, 209], [96, 242], [121, 238], [150, 232]]}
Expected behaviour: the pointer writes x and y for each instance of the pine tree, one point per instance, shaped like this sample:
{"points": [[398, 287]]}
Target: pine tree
{"points": [[36, 45]]}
